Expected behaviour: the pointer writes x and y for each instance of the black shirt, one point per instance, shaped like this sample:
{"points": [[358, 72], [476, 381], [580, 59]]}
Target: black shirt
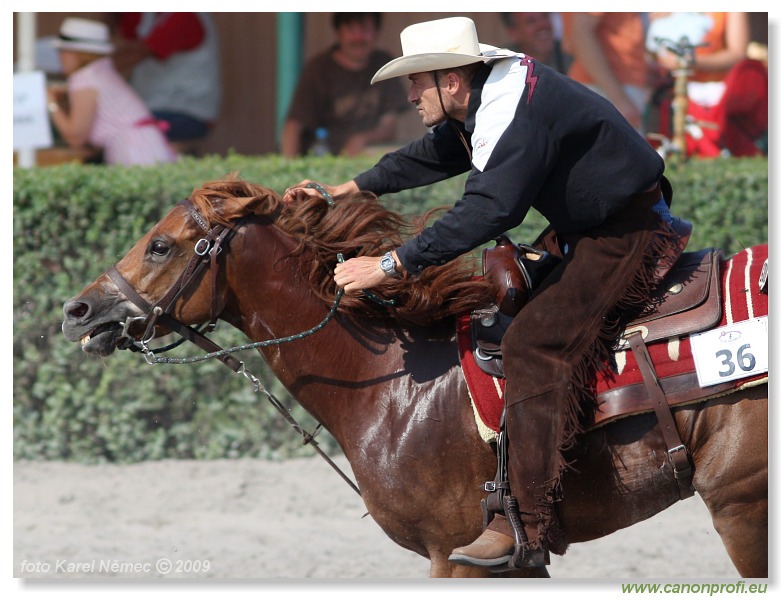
{"points": [[538, 139]]}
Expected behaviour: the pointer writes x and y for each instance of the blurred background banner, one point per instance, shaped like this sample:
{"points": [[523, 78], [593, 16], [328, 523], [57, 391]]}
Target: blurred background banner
{"points": [[31, 123]]}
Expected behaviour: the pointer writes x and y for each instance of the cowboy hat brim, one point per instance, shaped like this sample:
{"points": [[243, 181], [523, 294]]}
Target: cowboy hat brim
{"points": [[430, 61]]}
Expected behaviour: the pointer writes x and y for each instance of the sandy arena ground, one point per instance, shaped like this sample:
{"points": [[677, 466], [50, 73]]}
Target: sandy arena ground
{"points": [[234, 519]]}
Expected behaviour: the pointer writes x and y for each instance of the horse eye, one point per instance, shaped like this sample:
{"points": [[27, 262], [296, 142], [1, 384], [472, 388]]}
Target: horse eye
{"points": [[159, 248]]}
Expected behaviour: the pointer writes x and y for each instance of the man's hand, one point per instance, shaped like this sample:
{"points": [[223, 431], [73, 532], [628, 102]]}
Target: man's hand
{"points": [[360, 273], [299, 191]]}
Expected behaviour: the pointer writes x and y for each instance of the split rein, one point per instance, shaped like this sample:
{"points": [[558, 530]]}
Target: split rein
{"points": [[206, 251]]}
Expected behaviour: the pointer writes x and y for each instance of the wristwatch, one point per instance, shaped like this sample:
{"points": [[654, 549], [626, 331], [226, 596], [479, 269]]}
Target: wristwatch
{"points": [[388, 265]]}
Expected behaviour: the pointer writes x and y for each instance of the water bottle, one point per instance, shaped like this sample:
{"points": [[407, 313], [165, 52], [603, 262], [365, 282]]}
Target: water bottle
{"points": [[320, 147]]}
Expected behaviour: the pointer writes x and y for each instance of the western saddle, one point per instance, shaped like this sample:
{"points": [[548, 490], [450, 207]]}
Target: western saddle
{"points": [[688, 301]]}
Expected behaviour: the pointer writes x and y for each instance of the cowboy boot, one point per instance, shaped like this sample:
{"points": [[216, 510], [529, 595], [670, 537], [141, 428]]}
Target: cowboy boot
{"points": [[502, 537], [502, 546], [519, 536], [493, 548]]}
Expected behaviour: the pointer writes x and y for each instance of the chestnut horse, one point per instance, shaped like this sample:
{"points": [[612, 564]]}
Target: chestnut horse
{"points": [[386, 381]]}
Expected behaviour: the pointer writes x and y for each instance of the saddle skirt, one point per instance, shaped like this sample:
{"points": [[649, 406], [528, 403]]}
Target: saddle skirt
{"points": [[701, 292]]}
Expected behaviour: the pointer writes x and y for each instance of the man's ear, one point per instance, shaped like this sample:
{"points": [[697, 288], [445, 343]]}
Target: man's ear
{"points": [[454, 83]]}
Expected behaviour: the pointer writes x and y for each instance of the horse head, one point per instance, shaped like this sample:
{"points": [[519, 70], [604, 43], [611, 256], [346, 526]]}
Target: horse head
{"points": [[162, 275]]}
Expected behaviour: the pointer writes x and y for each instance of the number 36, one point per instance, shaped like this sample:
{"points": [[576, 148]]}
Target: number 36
{"points": [[745, 360]]}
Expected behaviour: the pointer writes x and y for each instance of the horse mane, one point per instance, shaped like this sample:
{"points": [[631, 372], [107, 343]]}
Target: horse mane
{"points": [[355, 226]]}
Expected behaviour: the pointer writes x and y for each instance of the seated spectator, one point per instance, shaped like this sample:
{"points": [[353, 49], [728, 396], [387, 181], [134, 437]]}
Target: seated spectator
{"points": [[173, 63], [334, 93], [533, 33], [727, 91], [103, 110], [608, 51]]}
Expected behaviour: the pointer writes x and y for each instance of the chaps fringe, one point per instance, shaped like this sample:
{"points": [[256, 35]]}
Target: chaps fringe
{"points": [[581, 403]]}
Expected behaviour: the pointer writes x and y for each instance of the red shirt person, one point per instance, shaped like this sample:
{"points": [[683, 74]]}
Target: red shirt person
{"points": [[173, 62]]}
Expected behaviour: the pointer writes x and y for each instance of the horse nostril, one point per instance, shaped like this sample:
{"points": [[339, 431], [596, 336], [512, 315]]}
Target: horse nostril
{"points": [[76, 310]]}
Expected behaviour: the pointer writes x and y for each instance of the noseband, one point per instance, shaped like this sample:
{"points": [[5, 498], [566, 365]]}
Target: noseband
{"points": [[205, 254]]}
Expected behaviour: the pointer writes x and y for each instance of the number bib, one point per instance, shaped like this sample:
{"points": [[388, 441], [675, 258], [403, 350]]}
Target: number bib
{"points": [[731, 352]]}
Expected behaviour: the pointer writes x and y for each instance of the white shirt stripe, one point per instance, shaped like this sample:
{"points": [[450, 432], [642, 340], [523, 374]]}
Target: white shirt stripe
{"points": [[499, 99]]}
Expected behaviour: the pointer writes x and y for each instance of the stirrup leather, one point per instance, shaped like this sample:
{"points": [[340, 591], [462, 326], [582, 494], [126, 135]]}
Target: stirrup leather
{"points": [[500, 486]]}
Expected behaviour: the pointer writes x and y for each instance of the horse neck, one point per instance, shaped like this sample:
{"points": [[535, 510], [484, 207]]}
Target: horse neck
{"points": [[374, 388], [268, 299]]}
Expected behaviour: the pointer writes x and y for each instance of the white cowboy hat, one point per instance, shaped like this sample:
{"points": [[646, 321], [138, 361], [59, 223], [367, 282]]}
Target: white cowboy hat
{"points": [[83, 35], [434, 45]]}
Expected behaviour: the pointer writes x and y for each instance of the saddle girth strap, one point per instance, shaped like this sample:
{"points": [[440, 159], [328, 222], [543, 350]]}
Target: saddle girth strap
{"points": [[679, 455]]}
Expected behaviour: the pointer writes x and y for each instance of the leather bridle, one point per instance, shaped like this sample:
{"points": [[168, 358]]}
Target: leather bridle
{"points": [[205, 254]]}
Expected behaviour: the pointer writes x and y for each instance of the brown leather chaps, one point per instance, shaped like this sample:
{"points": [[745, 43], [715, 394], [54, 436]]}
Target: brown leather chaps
{"points": [[556, 344]]}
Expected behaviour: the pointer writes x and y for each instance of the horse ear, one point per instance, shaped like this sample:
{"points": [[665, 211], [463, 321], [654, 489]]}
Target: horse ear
{"points": [[262, 201], [232, 198]]}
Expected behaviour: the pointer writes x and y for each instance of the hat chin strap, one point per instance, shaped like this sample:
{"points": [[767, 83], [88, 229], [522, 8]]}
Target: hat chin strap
{"points": [[448, 118]]}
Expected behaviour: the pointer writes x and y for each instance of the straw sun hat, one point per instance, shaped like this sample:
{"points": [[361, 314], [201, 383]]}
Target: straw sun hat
{"points": [[83, 35], [433, 45]]}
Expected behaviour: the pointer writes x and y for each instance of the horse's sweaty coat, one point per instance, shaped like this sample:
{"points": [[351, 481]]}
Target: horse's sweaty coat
{"points": [[394, 397]]}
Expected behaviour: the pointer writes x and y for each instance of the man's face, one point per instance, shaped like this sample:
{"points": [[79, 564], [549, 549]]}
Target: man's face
{"points": [[533, 33], [356, 38], [423, 94]]}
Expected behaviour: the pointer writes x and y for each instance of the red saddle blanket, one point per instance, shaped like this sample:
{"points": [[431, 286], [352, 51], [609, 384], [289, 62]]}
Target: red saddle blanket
{"points": [[672, 357]]}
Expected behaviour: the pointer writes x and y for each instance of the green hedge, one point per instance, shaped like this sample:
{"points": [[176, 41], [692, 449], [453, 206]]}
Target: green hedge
{"points": [[72, 222]]}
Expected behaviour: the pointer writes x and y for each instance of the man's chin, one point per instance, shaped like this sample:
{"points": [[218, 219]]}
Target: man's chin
{"points": [[429, 122]]}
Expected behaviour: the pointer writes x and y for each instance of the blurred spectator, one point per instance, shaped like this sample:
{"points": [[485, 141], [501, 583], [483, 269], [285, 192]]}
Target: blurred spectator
{"points": [[103, 110], [533, 33], [334, 93], [173, 62], [727, 91], [608, 51]]}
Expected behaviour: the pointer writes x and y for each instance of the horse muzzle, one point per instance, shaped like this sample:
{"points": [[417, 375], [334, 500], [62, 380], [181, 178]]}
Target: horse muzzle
{"points": [[100, 329]]}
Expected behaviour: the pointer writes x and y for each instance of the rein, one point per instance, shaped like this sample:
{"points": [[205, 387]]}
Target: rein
{"points": [[206, 251]]}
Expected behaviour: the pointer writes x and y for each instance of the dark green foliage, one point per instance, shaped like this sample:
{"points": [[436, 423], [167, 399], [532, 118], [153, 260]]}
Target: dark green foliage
{"points": [[73, 222]]}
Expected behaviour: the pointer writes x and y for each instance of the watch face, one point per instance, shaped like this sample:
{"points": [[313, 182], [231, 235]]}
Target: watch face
{"points": [[387, 264]]}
